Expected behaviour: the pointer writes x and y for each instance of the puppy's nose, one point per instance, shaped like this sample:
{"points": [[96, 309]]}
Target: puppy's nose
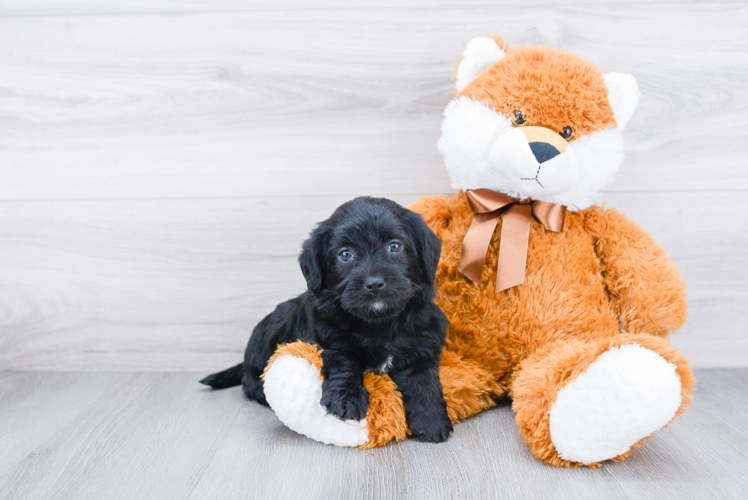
{"points": [[374, 284]]}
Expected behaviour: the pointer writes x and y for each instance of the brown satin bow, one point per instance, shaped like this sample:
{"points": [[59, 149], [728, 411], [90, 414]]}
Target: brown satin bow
{"points": [[515, 234]]}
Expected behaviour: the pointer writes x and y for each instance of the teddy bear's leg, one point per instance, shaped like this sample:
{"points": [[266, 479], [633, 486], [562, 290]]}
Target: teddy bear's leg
{"points": [[293, 388], [583, 402], [468, 388]]}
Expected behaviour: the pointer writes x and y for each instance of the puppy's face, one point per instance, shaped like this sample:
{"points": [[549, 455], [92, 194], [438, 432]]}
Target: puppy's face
{"points": [[373, 264], [371, 258]]}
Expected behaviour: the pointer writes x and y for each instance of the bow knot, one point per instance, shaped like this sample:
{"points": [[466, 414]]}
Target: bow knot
{"points": [[515, 233]]}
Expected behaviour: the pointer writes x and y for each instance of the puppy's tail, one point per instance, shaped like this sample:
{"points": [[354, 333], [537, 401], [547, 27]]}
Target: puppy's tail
{"points": [[226, 378]]}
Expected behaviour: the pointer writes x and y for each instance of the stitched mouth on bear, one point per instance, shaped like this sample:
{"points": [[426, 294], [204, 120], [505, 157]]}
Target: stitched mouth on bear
{"points": [[472, 131], [535, 160]]}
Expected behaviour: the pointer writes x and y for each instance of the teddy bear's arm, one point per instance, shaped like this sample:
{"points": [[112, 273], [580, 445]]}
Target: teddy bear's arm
{"points": [[642, 282]]}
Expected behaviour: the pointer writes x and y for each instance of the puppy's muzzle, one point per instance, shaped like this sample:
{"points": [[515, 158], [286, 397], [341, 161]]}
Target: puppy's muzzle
{"points": [[536, 160], [374, 284]]}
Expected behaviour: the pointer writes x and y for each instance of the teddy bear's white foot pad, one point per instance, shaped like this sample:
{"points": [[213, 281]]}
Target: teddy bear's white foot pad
{"points": [[624, 396], [293, 389]]}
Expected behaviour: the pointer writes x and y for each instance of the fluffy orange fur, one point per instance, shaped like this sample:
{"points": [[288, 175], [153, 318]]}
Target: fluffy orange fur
{"points": [[529, 341], [302, 350], [601, 273], [552, 367], [386, 417], [552, 87]]}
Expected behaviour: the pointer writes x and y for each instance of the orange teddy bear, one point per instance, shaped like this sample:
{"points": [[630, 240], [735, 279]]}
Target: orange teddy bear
{"points": [[554, 302]]}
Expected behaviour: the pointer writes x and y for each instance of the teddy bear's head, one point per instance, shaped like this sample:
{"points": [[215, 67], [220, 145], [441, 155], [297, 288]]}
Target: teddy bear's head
{"points": [[535, 122]]}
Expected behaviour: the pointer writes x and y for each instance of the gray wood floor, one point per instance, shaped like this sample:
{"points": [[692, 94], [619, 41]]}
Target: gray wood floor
{"points": [[104, 435]]}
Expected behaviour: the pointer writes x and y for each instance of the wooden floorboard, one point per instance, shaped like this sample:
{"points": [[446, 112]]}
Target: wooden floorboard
{"points": [[161, 435]]}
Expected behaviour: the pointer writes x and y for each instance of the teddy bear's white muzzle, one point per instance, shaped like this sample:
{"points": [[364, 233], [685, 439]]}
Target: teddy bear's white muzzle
{"points": [[536, 161]]}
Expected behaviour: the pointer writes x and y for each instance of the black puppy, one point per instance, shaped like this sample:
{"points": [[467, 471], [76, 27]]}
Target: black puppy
{"points": [[370, 272]]}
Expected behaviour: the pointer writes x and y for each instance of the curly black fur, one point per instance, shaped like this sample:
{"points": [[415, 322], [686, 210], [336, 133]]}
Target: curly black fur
{"points": [[370, 272]]}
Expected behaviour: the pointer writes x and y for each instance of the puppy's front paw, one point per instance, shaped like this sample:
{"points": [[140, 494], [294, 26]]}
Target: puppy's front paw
{"points": [[346, 401], [432, 428]]}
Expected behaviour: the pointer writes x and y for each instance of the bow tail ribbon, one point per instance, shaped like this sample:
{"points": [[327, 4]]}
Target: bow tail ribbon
{"points": [[515, 234]]}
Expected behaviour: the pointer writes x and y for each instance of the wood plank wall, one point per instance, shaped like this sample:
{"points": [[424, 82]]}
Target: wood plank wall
{"points": [[161, 161]]}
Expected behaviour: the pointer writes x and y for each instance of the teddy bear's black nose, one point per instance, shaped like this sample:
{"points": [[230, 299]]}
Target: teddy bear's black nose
{"points": [[543, 151]]}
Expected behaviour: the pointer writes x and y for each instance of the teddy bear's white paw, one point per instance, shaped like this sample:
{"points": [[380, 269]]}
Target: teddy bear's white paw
{"points": [[293, 389], [624, 396]]}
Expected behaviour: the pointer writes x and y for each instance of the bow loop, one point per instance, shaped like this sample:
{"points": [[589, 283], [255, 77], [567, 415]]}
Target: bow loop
{"points": [[515, 233], [482, 201], [550, 215]]}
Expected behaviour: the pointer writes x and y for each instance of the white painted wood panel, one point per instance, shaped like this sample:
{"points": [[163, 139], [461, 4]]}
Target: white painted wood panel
{"points": [[708, 240], [179, 284], [48, 8], [341, 101], [160, 162]]}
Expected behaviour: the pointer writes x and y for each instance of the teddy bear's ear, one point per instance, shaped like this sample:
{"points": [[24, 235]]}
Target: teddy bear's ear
{"points": [[623, 96], [480, 54]]}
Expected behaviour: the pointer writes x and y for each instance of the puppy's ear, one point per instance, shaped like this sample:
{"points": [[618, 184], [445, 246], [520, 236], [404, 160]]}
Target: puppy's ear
{"points": [[313, 257], [428, 246]]}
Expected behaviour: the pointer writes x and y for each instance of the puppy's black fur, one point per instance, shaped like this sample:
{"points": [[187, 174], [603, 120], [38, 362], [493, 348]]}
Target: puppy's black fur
{"points": [[370, 272]]}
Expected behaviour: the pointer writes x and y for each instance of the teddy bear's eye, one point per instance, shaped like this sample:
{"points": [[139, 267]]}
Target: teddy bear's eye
{"points": [[567, 133], [520, 118]]}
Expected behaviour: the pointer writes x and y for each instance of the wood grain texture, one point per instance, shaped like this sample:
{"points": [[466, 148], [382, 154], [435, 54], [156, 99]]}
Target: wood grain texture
{"points": [[313, 101], [160, 162], [179, 284], [50, 8], [156, 435]]}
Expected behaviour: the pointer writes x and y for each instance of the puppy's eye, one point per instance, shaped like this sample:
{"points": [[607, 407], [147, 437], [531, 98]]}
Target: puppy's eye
{"points": [[395, 247], [345, 255], [567, 133], [520, 119]]}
